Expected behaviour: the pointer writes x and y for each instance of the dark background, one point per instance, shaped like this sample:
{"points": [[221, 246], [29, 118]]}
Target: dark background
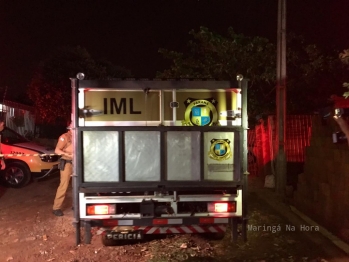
{"points": [[129, 33]]}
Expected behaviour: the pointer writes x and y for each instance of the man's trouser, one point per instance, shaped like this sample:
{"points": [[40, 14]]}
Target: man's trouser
{"points": [[63, 185]]}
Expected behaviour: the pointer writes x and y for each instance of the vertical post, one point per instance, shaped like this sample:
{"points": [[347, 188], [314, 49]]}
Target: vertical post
{"points": [[75, 119], [244, 125], [281, 172], [162, 107], [174, 109]]}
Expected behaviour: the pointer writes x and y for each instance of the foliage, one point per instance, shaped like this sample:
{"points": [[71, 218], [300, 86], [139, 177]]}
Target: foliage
{"points": [[50, 89], [310, 71], [344, 57], [214, 56], [313, 75]]}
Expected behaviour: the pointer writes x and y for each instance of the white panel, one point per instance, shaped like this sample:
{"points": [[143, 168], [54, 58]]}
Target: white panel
{"points": [[183, 156], [101, 156], [125, 222], [142, 153], [219, 156], [175, 221]]}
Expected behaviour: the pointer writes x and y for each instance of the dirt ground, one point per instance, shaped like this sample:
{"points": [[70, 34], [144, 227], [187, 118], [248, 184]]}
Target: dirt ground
{"points": [[30, 232]]}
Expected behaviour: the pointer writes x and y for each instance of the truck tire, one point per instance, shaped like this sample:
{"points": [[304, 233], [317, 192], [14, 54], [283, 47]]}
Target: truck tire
{"points": [[16, 174]]}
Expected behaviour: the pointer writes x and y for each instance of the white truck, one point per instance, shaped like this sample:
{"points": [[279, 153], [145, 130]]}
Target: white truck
{"points": [[159, 157]]}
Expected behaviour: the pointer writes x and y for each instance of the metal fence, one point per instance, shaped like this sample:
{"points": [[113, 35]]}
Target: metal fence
{"points": [[262, 141]]}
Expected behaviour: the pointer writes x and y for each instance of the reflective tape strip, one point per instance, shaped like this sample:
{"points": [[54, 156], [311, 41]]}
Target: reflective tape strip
{"points": [[221, 221], [177, 221], [114, 223], [125, 222], [206, 220], [171, 228], [217, 228], [12, 155], [182, 229], [110, 223], [150, 230], [198, 229], [210, 220], [174, 230], [159, 221], [212, 229], [186, 230], [222, 228]]}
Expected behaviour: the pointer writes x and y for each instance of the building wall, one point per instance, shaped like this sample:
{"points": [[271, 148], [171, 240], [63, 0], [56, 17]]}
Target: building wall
{"points": [[19, 117], [323, 188]]}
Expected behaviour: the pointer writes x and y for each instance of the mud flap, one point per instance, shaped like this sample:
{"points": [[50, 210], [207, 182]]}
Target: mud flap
{"points": [[87, 232]]}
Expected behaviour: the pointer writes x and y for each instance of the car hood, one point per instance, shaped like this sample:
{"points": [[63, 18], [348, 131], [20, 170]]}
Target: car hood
{"points": [[36, 147]]}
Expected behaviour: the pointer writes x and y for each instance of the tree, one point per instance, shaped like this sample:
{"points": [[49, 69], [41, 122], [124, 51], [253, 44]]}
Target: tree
{"points": [[313, 75], [310, 70], [50, 90], [344, 57], [214, 56]]}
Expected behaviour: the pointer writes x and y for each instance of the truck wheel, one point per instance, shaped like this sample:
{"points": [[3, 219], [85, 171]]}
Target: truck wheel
{"points": [[16, 174]]}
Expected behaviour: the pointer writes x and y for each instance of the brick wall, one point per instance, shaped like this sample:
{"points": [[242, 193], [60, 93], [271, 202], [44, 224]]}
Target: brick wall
{"points": [[323, 189]]}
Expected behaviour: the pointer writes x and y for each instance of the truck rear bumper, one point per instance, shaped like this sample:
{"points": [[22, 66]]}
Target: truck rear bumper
{"points": [[148, 204]]}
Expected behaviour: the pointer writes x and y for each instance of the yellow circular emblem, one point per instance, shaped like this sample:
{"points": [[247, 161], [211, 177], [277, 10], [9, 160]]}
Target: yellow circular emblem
{"points": [[200, 112], [220, 149]]}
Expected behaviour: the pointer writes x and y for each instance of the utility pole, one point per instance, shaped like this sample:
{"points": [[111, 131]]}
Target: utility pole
{"points": [[281, 166]]}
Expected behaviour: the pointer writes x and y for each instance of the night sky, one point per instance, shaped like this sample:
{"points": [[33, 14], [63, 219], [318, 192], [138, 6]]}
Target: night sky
{"points": [[129, 33]]}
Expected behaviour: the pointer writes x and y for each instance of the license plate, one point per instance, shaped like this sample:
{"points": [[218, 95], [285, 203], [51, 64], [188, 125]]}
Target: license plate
{"points": [[134, 235]]}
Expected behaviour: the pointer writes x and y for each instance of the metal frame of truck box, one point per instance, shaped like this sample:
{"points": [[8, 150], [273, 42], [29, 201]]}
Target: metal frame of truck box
{"points": [[161, 193]]}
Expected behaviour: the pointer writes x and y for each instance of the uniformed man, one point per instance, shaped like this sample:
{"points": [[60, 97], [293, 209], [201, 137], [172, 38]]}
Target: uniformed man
{"points": [[64, 148]]}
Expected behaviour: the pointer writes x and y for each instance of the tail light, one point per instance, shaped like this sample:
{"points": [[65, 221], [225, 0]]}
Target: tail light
{"points": [[107, 209], [221, 207]]}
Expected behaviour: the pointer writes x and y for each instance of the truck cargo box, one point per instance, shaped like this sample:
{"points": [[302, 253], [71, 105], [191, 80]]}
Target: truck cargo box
{"points": [[153, 151]]}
